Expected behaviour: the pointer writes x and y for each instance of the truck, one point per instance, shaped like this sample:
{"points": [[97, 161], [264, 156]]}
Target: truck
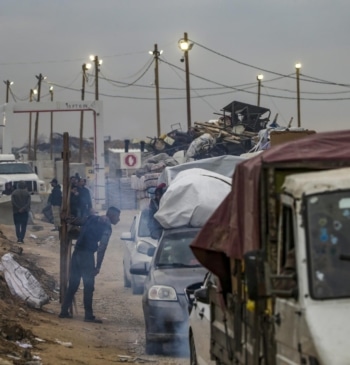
{"points": [[279, 247], [11, 172]]}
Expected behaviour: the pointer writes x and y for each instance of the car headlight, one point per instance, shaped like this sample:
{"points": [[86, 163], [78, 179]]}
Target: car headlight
{"points": [[160, 292], [142, 247]]}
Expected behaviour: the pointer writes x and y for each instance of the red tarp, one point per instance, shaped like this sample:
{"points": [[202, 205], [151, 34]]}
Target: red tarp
{"points": [[234, 229]]}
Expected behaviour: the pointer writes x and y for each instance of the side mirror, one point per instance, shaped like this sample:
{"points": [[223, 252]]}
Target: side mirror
{"points": [[189, 291], [150, 251], [202, 295], [141, 268], [255, 274], [126, 236]]}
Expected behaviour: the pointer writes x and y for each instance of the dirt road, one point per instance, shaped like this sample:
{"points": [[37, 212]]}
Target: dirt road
{"points": [[72, 341]]}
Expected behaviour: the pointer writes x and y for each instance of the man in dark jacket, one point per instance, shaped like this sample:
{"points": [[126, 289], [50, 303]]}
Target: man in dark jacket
{"points": [[94, 237], [20, 199], [55, 199], [85, 202]]}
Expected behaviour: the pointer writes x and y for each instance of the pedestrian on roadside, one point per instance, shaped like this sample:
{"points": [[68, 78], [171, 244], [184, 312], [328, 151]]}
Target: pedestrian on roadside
{"points": [[55, 200], [153, 225], [94, 237], [20, 199], [8, 189], [85, 203], [74, 201]]}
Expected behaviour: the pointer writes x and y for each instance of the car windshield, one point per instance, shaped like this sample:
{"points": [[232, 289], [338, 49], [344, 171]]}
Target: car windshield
{"points": [[328, 243], [175, 250], [15, 168], [143, 226]]}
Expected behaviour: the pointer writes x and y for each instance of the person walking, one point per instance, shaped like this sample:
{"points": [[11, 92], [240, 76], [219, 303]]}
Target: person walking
{"points": [[94, 237], [20, 199], [55, 200]]}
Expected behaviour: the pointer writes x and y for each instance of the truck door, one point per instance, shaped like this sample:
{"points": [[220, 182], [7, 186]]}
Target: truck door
{"points": [[287, 311]]}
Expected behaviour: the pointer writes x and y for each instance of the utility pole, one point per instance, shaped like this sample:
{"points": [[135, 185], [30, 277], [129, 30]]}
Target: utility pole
{"points": [[156, 55], [259, 78], [40, 78], [85, 67], [51, 125], [297, 69], [8, 83], [32, 92], [97, 63]]}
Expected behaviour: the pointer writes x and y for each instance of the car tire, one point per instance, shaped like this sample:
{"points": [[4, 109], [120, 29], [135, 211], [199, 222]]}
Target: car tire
{"points": [[193, 354], [127, 283], [153, 348], [136, 289]]}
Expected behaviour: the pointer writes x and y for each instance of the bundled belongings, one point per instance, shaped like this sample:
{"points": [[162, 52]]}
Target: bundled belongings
{"points": [[190, 199]]}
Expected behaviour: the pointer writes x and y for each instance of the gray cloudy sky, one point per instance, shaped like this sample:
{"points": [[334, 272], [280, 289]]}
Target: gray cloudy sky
{"points": [[234, 42]]}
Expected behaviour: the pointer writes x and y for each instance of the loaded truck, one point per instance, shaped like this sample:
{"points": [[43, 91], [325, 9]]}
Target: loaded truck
{"points": [[279, 246]]}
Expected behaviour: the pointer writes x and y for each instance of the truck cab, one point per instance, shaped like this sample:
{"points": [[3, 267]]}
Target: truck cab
{"points": [[311, 316]]}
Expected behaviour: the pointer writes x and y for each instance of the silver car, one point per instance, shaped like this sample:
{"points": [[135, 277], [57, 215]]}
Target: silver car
{"points": [[199, 324], [137, 242]]}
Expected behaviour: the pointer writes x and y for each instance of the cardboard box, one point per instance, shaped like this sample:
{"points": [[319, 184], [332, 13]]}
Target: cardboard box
{"points": [[278, 137]]}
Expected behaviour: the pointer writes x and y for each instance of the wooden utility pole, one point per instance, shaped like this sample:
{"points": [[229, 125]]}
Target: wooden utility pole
{"points": [[51, 126], [30, 127], [65, 242], [8, 83], [156, 55], [40, 78], [85, 67]]}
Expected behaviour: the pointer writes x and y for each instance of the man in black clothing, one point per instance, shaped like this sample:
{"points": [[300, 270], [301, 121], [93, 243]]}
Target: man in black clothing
{"points": [[94, 237], [85, 203], [20, 199], [55, 200]]}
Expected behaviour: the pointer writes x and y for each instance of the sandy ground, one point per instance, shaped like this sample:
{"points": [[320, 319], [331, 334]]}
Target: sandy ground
{"points": [[72, 341]]}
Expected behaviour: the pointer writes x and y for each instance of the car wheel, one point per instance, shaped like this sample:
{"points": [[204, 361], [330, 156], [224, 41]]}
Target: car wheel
{"points": [[127, 283], [136, 289], [153, 348], [193, 354]]}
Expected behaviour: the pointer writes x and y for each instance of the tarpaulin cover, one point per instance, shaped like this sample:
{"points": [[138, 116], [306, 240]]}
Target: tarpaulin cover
{"points": [[191, 198], [233, 228]]}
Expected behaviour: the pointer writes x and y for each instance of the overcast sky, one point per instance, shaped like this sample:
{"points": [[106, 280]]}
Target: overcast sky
{"points": [[234, 41]]}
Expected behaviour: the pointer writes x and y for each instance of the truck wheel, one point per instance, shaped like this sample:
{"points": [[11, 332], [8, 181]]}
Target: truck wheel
{"points": [[193, 354]]}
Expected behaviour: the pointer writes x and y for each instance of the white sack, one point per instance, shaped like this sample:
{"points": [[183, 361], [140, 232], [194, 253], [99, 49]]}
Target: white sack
{"points": [[191, 198], [22, 283]]}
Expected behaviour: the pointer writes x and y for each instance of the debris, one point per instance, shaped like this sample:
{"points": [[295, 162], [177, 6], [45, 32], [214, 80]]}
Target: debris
{"points": [[33, 236], [65, 344]]}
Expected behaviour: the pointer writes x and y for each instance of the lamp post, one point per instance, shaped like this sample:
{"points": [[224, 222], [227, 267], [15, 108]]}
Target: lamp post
{"points": [[32, 92], [97, 63], [297, 69], [40, 79], [156, 55], [51, 124], [259, 78], [185, 46], [8, 83], [85, 67]]}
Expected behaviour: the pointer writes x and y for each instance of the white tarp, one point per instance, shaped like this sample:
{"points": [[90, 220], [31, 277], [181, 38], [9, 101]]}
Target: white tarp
{"points": [[22, 283], [223, 165], [191, 198]]}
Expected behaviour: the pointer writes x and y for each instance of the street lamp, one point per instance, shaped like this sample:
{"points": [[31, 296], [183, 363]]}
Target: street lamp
{"points": [[259, 78], [85, 67], [297, 69], [97, 63], [185, 45], [51, 124], [156, 55], [8, 83], [31, 94]]}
